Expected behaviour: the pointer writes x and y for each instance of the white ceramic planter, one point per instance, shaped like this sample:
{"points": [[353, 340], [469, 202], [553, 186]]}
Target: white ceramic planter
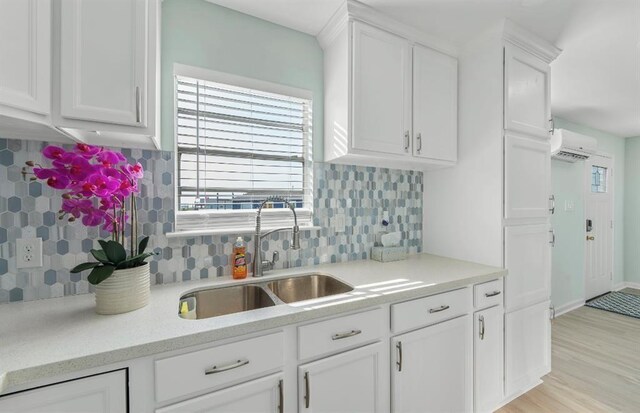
{"points": [[126, 290]]}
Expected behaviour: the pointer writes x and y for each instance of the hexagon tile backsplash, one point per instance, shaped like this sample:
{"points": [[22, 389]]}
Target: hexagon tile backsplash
{"points": [[28, 209]]}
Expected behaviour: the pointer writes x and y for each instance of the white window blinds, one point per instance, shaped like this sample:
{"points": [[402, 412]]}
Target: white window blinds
{"points": [[238, 146]]}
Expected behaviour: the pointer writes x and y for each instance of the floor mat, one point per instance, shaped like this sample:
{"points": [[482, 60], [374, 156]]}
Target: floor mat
{"points": [[618, 302]]}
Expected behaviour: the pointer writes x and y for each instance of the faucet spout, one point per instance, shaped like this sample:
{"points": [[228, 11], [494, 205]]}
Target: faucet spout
{"points": [[259, 264]]}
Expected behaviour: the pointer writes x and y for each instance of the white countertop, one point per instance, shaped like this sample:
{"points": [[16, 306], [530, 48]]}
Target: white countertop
{"points": [[45, 338]]}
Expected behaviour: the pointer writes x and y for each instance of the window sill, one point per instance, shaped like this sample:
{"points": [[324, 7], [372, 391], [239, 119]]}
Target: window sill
{"points": [[227, 231]]}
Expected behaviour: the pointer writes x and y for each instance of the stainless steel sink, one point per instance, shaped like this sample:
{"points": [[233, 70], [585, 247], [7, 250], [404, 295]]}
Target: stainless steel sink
{"points": [[307, 287], [215, 302]]}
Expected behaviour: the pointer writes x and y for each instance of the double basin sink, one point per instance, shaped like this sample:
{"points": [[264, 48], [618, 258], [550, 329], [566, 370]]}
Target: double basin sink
{"points": [[213, 302]]}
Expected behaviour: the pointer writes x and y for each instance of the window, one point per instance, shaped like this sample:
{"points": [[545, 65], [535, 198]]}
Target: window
{"points": [[598, 179], [237, 146]]}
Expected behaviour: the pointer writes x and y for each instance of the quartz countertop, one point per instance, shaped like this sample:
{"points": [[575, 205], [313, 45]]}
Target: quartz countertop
{"points": [[45, 338]]}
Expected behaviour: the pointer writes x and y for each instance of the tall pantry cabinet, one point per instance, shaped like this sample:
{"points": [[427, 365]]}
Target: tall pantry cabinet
{"points": [[494, 207]]}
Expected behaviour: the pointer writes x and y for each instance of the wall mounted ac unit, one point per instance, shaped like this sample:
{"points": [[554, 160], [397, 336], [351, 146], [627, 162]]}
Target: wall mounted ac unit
{"points": [[570, 146]]}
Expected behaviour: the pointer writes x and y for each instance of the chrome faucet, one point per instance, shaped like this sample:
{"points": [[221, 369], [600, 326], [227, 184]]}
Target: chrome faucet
{"points": [[259, 264]]}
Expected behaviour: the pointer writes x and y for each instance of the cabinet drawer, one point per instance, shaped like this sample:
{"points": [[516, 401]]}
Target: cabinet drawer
{"points": [[487, 294], [188, 373], [430, 310], [339, 333]]}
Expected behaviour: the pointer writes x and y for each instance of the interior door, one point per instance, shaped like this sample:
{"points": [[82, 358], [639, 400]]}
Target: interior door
{"points": [[599, 226]]}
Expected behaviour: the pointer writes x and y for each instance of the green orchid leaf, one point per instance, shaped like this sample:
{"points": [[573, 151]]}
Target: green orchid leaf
{"points": [[100, 256], [135, 261], [143, 245], [85, 266], [115, 252], [103, 244], [99, 274]]}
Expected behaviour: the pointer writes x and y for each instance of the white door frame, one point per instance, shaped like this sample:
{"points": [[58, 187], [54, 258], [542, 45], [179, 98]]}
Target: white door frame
{"points": [[611, 191]]}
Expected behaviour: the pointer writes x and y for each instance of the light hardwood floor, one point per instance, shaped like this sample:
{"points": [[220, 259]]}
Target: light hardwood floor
{"points": [[595, 366]]}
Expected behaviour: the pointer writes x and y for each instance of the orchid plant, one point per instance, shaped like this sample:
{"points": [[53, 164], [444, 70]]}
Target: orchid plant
{"points": [[100, 189]]}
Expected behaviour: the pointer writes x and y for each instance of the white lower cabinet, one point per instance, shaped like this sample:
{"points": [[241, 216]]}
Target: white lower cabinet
{"points": [[488, 356], [432, 369], [527, 347], [348, 382], [263, 395], [102, 393]]}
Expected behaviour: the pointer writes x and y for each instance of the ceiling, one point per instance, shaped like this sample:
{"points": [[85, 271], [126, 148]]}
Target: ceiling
{"points": [[595, 81]]}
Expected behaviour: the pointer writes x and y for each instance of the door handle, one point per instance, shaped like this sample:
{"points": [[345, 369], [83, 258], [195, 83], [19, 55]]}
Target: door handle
{"points": [[399, 362], [553, 238], [281, 394], [138, 105], [481, 327], [492, 294], [437, 310], [340, 336], [419, 140], [307, 391], [590, 238], [552, 209], [553, 126], [406, 141]]}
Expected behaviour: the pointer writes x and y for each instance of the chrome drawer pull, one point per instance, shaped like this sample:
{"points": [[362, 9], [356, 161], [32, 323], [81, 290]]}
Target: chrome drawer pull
{"points": [[481, 328], [437, 310], [307, 390], [493, 294], [216, 369], [281, 392], [348, 334], [399, 362]]}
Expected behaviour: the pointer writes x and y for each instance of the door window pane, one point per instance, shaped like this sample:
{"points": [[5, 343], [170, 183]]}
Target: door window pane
{"points": [[598, 179]]}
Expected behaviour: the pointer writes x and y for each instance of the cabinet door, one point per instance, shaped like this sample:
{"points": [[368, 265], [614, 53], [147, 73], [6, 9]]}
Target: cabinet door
{"points": [[103, 64], [526, 93], [527, 347], [528, 259], [104, 393], [348, 382], [488, 347], [432, 370], [435, 104], [381, 91], [257, 396], [527, 177], [25, 47]]}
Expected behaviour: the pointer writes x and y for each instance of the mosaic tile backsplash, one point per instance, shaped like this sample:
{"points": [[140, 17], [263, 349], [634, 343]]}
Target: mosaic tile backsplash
{"points": [[28, 209]]}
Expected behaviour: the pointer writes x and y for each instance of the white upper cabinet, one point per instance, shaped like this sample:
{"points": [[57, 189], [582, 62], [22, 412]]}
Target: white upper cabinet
{"points": [[527, 178], [103, 61], [25, 55], [106, 71], [435, 104], [381, 91], [389, 100], [526, 93]]}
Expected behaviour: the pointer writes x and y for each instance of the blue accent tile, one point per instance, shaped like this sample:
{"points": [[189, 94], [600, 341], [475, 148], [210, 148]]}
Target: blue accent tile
{"points": [[4, 266], [35, 189], [166, 178], [14, 204], [15, 295], [6, 157]]}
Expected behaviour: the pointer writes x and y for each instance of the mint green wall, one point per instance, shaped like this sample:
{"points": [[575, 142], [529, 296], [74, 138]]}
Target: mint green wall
{"points": [[567, 181], [202, 34], [632, 211]]}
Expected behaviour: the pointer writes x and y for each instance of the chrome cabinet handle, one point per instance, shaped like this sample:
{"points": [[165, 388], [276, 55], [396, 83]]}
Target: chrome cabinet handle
{"points": [[419, 139], [307, 394], [281, 394], [437, 310], [553, 126], [340, 336], [481, 328], [552, 210], [406, 141], [553, 238], [216, 369], [399, 362], [138, 105], [492, 294]]}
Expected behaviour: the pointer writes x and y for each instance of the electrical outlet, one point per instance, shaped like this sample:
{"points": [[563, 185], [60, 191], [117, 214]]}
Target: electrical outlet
{"points": [[28, 252]]}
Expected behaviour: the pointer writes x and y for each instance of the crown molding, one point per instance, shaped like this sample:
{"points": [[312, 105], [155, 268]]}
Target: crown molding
{"points": [[354, 10], [532, 43]]}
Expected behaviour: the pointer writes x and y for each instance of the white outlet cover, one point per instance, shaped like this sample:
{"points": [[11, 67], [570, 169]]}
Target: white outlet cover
{"points": [[28, 252], [339, 223]]}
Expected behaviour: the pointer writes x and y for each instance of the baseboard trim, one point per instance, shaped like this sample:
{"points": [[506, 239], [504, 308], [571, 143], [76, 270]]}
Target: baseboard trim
{"points": [[626, 284], [518, 394], [563, 309]]}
